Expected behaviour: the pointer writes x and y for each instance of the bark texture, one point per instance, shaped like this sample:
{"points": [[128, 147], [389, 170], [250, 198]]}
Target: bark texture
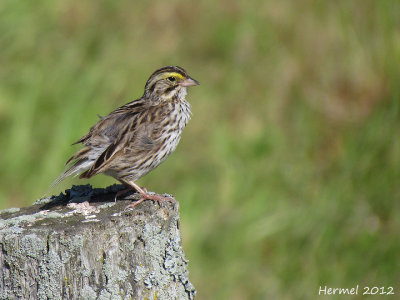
{"points": [[83, 245]]}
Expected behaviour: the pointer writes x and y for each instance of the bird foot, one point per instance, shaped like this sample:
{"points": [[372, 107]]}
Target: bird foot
{"points": [[155, 197]]}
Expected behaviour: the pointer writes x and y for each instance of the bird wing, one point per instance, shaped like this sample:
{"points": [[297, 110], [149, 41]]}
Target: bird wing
{"points": [[135, 139], [103, 139], [108, 128], [126, 129]]}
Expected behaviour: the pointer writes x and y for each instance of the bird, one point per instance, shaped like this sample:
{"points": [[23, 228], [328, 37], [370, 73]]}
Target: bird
{"points": [[135, 138]]}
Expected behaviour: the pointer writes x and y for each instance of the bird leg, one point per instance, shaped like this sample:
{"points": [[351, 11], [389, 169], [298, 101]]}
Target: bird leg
{"points": [[146, 196], [127, 189]]}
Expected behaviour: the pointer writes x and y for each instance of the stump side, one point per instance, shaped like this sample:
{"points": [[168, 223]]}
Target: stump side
{"points": [[95, 250]]}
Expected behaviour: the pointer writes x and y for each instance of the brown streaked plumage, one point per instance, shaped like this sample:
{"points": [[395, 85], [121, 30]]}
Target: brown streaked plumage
{"points": [[135, 138]]}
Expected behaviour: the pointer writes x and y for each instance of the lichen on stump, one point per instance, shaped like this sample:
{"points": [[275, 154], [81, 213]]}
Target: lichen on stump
{"points": [[83, 245]]}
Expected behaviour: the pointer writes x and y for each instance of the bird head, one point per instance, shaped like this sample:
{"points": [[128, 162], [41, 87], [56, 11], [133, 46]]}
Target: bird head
{"points": [[168, 82]]}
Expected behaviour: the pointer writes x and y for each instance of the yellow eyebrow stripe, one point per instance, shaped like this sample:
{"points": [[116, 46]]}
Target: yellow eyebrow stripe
{"points": [[174, 74]]}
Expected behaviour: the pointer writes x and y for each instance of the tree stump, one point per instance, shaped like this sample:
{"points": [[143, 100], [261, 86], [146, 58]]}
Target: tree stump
{"points": [[84, 245]]}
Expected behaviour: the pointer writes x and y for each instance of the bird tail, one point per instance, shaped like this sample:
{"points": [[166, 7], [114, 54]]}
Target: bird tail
{"points": [[77, 164], [74, 169]]}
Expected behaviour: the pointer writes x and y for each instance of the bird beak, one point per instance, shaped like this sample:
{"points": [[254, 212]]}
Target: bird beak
{"points": [[189, 82]]}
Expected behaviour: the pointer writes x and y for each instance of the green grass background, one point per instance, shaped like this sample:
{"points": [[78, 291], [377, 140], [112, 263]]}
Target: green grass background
{"points": [[287, 175]]}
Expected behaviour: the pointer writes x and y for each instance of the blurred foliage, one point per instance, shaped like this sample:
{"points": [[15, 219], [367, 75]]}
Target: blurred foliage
{"points": [[288, 174]]}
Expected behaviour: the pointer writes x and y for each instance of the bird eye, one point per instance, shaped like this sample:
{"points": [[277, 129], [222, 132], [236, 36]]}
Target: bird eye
{"points": [[172, 78]]}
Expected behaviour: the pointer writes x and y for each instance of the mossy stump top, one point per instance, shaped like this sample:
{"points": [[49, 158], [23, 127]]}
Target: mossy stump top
{"points": [[83, 245]]}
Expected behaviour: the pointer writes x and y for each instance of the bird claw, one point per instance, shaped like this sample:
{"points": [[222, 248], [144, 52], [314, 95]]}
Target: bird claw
{"points": [[160, 199]]}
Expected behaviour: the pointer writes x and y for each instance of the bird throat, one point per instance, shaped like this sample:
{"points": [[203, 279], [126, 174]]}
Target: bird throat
{"points": [[176, 93]]}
